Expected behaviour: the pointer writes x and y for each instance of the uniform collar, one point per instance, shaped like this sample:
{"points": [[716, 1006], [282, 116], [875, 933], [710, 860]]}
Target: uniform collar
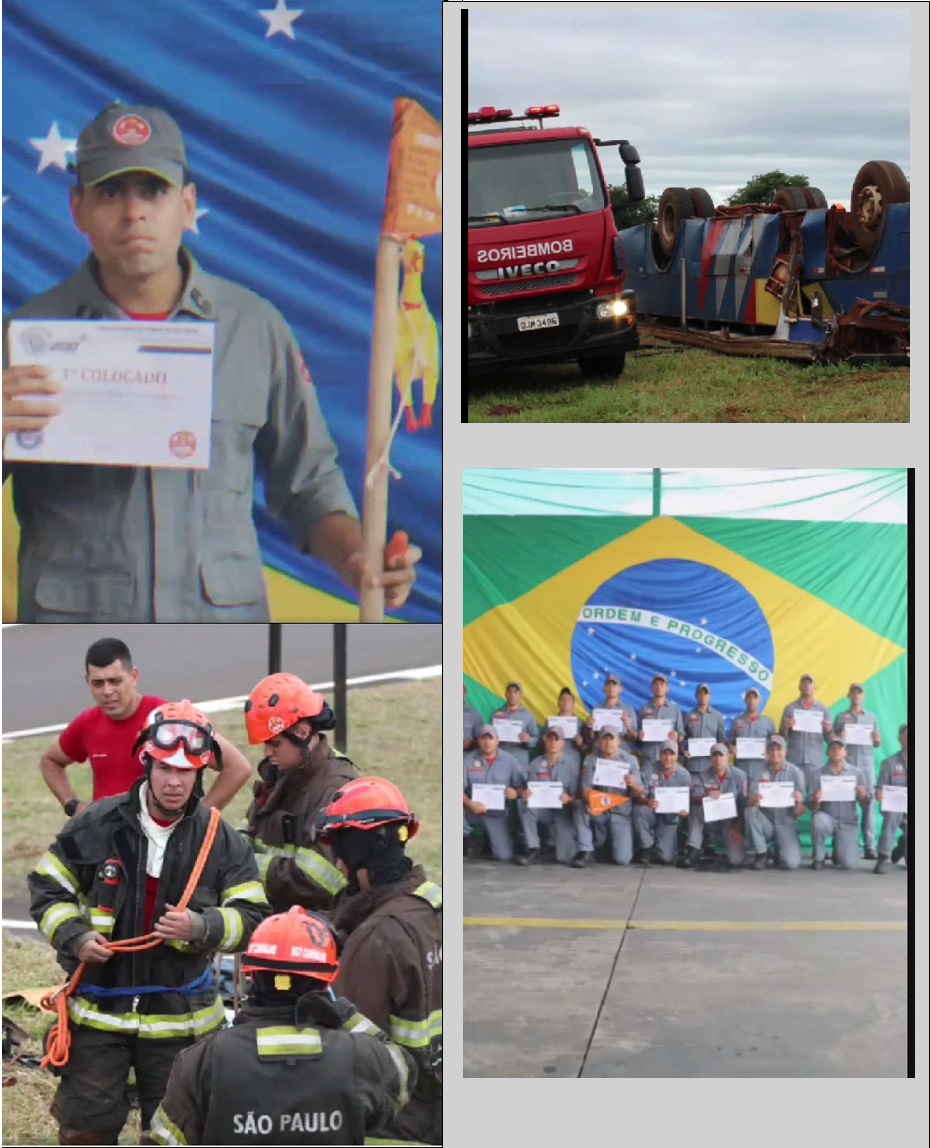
{"points": [[196, 298]]}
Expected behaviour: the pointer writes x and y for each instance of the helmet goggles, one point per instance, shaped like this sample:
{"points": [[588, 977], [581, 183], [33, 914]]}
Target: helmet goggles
{"points": [[171, 734]]}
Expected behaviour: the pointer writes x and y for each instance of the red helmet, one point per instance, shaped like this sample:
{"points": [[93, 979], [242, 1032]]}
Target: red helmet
{"points": [[366, 803], [281, 701], [178, 734], [298, 942]]}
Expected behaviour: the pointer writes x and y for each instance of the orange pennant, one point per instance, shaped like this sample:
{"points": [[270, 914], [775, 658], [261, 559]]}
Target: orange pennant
{"points": [[414, 194], [599, 803]]}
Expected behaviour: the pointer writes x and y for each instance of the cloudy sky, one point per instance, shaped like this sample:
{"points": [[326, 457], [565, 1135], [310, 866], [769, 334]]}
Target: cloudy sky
{"points": [[711, 94]]}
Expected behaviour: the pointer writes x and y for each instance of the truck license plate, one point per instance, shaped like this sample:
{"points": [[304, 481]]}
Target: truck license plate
{"points": [[534, 322]]}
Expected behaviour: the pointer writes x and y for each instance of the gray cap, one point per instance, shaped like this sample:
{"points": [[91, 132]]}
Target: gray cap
{"points": [[660, 678], [669, 746], [515, 685], [752, 690], [612, 678], [702, 686], [552, 731], [808, 678], [486, 729], [835, 739], [776, 739], [719, 748], [131, 138], [610, 730]]}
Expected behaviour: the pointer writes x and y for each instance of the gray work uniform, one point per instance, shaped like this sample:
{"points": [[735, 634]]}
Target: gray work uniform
{"points": [[659, 829], [472, 721], [650, 751], [519, 749], [806, 749], [505, 770], [862, 757], [570, 751], [627, 737], [748, 726], [144, 544], [560, 821], [616, 824], [764, 826], [836, 819], [892, 772], [700, 724], [733, 781]]}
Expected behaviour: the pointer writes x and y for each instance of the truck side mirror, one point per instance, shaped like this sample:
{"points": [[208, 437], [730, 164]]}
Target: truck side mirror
{"points": [[635, 188], [628, 153]]}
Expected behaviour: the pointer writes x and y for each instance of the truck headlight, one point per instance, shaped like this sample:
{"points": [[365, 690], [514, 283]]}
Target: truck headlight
{"points": [[612, 309]]}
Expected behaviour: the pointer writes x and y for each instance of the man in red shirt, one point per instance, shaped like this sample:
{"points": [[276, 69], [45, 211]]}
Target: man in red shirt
{"points": [[106, 734]]}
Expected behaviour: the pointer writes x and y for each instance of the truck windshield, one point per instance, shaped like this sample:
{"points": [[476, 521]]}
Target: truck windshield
{"points": [[515, 182]]}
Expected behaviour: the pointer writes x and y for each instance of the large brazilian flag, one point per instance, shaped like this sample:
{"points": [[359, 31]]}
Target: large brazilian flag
{"points": [[729, 577]]}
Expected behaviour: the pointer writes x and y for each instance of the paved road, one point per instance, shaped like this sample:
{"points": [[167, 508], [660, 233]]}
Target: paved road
{"points": [[43, 666], [612, 972]]}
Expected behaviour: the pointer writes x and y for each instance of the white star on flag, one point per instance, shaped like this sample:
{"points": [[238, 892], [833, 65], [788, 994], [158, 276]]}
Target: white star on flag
{"points": [[632, 657], [703, 621], [596, 675], [280, 19], [54, 150], [199, 211], [673, 674], [683, 682], [584, 683], [591, 632]]}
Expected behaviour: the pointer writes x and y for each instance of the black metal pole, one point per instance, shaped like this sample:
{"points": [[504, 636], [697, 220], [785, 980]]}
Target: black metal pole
{"points": [[274, 647], [340, 707]]}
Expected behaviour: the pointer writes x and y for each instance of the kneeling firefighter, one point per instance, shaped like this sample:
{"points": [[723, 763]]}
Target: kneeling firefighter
{"points": [[298, 1066]]}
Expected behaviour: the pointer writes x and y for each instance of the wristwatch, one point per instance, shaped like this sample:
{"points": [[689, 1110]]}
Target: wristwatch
{"points": [[71, 806]]}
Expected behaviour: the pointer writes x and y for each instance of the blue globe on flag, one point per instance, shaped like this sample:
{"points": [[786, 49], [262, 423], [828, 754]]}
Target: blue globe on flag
{"points": [[686, 620]]}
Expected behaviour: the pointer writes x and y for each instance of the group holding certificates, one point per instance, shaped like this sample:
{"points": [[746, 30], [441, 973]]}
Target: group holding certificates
{"points": [[643, 793]]}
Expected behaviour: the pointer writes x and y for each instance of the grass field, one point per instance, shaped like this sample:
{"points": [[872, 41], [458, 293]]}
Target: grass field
{"points": [[394, 731], [669, 385]]}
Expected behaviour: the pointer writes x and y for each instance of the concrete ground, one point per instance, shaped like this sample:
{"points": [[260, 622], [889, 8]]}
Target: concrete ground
{"points": [[613, 971]]}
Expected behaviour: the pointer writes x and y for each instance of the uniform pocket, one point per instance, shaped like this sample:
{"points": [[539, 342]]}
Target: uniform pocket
{"points": [[95, 596]]}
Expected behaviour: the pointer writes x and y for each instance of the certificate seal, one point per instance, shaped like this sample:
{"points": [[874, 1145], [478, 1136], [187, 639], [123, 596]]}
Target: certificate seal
{"points": [[30, 439], [182, 444]]}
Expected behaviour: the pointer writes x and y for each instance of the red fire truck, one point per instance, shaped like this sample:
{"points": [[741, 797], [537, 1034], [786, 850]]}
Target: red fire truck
{"points": [[545, 261]]}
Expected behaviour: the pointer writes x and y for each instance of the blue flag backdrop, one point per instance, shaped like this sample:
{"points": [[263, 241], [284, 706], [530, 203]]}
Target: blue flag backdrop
{"points": [[287, 115]]}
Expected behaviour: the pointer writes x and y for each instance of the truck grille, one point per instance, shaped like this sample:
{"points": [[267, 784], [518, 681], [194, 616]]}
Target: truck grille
{"points": [[514, 287]]}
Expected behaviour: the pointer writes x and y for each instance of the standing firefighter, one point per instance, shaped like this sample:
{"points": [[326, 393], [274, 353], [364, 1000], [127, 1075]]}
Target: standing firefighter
{"points": [[299, 1065], [297, 778], [134, 894], [391, 917]]}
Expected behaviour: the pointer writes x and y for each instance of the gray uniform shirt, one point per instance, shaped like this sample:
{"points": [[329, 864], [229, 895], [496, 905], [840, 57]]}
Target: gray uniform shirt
{"points": [[652, 750], [627, 736], [843, 812], [133, 544], [893, 771], [747, 726], [790, 773], [862, 757], [700, 724], [518, 749], [570, 751], [505, 770], [565, 769], [806, 749], [471, 722]]}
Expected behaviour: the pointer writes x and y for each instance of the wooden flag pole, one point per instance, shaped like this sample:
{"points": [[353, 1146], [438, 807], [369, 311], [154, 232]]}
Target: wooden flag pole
{"points": [[380, 401]]}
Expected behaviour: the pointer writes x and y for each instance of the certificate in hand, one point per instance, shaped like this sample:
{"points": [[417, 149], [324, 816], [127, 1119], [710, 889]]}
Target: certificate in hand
{"points": [[776, 794], [545, 794], [604, 717], [608, 772], [656, 729], [700, 746], [858, 734], [808, 721], [672, 798], [894, 799], [132, 393], [508, 730], [567, 726], [490, 795], [750, 747], [720, 808], [835, 787]]}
